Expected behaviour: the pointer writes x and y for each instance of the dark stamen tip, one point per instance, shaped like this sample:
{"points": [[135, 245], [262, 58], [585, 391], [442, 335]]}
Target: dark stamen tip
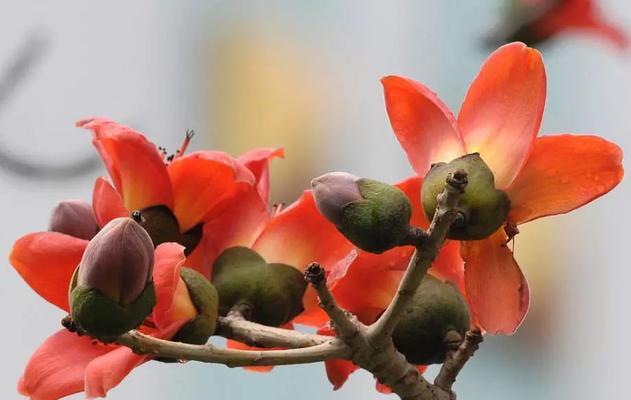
{"points": [[137, 216]]}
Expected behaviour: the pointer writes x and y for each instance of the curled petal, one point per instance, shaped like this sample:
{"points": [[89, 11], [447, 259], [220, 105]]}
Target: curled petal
{"points": [[563, 173], [501, 114], [496, 288], [173, 304], [107, 202], [424, 125], [57, 368], [257, 161], [202, 181], [46, 261], [134, 164]]}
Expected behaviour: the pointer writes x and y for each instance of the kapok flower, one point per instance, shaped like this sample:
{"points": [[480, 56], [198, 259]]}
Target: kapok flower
{"points": [[500, 119], [366, 286], [535, 22], [67, 363], [172, 197]]}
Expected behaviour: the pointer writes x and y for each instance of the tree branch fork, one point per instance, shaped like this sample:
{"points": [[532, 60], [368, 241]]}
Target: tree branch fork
{"points": [[369, 347]]}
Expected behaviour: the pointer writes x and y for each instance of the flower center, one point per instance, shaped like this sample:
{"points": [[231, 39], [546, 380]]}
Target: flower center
{"points": [[162, 226], [168, 158]]}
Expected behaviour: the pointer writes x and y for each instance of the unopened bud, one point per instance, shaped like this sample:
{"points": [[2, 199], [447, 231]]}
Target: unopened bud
{"points": [[437, 312], [74, 218], [112, 290], [373, 215], [271, 293], [484, 208], [333, 191]]}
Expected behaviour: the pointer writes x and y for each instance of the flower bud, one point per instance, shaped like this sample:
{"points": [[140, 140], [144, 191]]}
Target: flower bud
{"points": [[437, 308], [483, 207], [112, 290], [271, 293], [373, 215], [74, 218], [333, 191]]}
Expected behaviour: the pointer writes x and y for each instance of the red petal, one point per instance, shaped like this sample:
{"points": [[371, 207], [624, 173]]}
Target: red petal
{"points": [[46, 261], [257, 161], [107, 371], [202, 181], [57, 368], [106, 202], [289, 238], [582, 14], [136, 167], [564, 172], [496, 288], [337, 371], [424, 125], [239, 224], [170, 309], [501, 114]]}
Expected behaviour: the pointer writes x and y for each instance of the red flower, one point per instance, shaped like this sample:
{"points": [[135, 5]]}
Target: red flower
{"points": [[221, 192], [500, 119], [67, 363], [195, 189], [537, 21], [366, 286]]}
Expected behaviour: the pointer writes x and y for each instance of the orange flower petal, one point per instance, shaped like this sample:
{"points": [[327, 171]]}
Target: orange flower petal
{"points": [[239, 224], [412, 189], [202, 181], [582, 14], [106, 202], [46, 261], [134, 164], [501, 114], [337, 371], [233, 344], [496, 288], [57, 368], [289, 237], [107, 371], [257, 161], [562, 173], [173, 303], [424, 125]]}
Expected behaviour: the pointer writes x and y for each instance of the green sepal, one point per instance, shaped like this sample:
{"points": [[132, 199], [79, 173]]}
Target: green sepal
{"points": [[484, 207], [436, 309], [103, 318], [206, 300], [272, 293], [378, 222]]}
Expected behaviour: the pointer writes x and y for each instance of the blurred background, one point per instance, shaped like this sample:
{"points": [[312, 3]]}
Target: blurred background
{"points": [[305, 75]]}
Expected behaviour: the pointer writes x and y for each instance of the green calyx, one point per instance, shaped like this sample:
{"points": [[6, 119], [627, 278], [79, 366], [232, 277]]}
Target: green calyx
{"points": [[103, 318], [378, 222], [484, 207], [206, 300], [270, 292], [436, 309]]}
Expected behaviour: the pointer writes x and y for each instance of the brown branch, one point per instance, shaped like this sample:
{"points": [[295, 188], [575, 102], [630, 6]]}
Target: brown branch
{"points": [[426, 252], [149, 345], [456, 359], [236, 327]]}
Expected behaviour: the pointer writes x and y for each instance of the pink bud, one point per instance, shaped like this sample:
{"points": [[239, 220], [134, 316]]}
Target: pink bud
{"points": [[74, 218], [118, 261], [333, 191]]}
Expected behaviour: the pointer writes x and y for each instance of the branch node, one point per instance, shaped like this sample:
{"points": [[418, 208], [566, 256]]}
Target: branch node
{"points": [[315, 274]]}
